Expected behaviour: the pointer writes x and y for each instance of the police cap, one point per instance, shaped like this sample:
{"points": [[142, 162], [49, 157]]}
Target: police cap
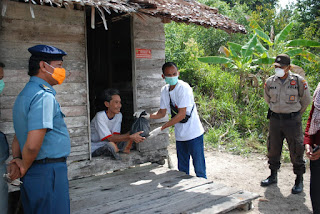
{"points": [[46, 52], [282, 60]]}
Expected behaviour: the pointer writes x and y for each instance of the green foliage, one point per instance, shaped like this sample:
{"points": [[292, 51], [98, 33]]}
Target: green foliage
{"points": [[238, 127], [296, 49], [309, 10], [232, 124], [207, 39]]}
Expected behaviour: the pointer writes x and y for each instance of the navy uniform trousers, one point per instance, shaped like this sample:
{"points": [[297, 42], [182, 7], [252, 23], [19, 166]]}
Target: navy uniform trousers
{"points": [[45, 189]]}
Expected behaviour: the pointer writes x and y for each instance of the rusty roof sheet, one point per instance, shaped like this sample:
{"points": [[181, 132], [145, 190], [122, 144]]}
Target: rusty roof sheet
{"points": [[187, 11]]}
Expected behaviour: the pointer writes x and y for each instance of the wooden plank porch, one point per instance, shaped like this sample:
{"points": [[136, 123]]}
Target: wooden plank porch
{"points": [[153, 189]]}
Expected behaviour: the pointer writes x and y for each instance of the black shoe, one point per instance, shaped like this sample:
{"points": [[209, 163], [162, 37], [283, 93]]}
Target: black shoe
{"points": [[298, 185], [270, 180]]}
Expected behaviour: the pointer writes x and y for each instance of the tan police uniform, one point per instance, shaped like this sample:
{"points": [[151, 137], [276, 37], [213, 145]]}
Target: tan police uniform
{"points": [[287, 101]]}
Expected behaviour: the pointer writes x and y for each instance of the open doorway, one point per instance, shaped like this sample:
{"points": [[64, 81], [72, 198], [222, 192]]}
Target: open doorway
{"points": [[110, 62]]}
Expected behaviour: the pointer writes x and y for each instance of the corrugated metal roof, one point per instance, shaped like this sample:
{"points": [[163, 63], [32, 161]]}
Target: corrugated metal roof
{"points": [[187, 11]]}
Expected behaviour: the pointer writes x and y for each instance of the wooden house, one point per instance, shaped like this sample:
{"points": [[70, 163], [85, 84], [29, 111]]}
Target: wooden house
{"points": [[110, 43]]}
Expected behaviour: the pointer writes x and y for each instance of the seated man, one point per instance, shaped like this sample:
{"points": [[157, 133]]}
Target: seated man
{"points": [[106, 126]]}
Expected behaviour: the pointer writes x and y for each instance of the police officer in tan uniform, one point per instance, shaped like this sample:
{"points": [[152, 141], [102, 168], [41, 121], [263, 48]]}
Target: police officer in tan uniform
{"points": [[288, 97]]}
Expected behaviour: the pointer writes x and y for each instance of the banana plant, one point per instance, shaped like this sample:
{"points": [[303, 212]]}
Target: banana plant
{"points": [[293, 48], [239, 59]]}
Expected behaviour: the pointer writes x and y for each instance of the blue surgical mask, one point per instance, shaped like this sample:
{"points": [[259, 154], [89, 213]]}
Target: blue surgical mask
{"points": [[171, 80], [1, 86]]}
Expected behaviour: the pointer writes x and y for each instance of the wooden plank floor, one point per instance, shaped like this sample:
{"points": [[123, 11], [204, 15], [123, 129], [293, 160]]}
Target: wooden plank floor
{"points": [[153, 189]]}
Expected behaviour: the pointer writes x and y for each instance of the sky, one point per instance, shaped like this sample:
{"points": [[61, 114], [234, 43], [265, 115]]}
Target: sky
{"points": [[283, 3]]}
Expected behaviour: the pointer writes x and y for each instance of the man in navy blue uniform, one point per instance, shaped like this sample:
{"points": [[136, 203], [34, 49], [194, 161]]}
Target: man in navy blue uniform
{"points": [[42, 143], [4, 154]]}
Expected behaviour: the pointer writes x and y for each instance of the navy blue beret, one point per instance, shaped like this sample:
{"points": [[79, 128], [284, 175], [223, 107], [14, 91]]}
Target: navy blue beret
{"points": [[47, 52]]}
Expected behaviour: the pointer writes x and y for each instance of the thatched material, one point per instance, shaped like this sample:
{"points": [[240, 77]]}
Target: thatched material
{"points": [[187, 11], [190, 11]]}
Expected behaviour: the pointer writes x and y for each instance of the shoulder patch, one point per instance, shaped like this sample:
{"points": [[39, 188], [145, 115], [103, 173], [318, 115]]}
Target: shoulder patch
{"points": [[305, 85], [46, 88]]}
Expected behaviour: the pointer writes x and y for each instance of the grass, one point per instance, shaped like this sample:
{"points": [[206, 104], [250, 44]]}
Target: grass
{"points": [[231, 124]]}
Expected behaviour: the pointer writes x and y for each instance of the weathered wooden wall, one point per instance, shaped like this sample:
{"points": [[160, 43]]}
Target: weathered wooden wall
{"points": [[59, 27], [147, 83], [147, 80], [66, 30]]}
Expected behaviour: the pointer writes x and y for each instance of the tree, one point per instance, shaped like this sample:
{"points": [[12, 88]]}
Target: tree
{"points": [[309, 19]]}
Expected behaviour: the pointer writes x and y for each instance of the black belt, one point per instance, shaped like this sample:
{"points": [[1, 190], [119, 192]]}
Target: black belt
{"points": [[51, 160], [284, 116]]}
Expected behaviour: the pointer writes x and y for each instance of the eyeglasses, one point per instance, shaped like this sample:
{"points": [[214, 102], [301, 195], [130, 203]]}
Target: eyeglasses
{"points": [[7, 178]]}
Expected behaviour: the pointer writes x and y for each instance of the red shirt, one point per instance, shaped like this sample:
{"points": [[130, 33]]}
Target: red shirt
{"points": [[311, 139]]}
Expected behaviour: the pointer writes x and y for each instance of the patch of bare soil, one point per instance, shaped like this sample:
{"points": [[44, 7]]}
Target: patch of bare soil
{"points": [[245, 173]]}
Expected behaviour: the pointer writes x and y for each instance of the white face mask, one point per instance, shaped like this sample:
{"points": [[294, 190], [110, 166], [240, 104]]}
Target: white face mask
{"points": [[279, 72]]}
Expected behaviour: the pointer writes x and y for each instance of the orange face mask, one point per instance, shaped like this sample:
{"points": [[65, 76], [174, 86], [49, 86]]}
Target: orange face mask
{"points": [[58, 74]]}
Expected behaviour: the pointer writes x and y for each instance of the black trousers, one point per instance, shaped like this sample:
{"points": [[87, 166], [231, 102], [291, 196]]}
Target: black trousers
{"points": [[315, 185], [291, 130]]}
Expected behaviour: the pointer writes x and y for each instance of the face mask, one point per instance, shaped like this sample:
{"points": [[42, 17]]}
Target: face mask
{"points": [[1, 86], [58, 74], [171, 80], [279, 72]]}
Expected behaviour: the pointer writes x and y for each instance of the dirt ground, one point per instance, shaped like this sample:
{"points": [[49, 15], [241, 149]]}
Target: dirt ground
{"points": [[245, 173]]}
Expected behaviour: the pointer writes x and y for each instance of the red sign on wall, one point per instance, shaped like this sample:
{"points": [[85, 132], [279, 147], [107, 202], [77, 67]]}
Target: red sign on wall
{"points": [[143, 53]]}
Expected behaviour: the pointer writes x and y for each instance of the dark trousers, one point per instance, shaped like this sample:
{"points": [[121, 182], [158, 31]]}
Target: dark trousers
{"points": [[45, 189], [193, 148], [291, 130], [315, 185]]}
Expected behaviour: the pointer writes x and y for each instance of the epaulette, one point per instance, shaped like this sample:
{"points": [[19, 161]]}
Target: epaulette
{"points": [[46, 88]]}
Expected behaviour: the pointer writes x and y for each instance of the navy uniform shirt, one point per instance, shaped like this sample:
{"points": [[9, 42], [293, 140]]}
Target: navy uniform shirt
{"points": [[36, 108]]}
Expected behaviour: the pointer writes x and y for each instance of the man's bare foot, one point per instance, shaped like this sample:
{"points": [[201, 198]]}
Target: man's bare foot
{"points": [[115, 147], [128, 147], [126, 150]]}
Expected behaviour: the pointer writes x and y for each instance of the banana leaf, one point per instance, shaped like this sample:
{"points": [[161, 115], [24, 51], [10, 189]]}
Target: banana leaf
{"points": [[224, 50], [233, 53], [260, 48], [303, 43], [254, 25], [283, 34], [310, 56], [262, 61], [294, 52], [247, 49], [264, 37], [235, 46]]}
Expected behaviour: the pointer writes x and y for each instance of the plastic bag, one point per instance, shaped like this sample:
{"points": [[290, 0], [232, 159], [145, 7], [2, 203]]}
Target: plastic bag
{"points": [[141, 124]]}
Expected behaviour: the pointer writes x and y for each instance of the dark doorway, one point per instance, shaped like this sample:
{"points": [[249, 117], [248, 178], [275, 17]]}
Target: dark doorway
{"points": [[110, 62]]}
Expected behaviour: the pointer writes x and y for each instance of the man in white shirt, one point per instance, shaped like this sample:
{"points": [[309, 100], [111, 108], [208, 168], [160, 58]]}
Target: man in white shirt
{"points": [[177, 97], [106, 128]]}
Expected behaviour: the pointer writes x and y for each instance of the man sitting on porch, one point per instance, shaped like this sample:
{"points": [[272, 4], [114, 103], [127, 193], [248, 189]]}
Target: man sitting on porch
{"points": [[106, 127]]}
